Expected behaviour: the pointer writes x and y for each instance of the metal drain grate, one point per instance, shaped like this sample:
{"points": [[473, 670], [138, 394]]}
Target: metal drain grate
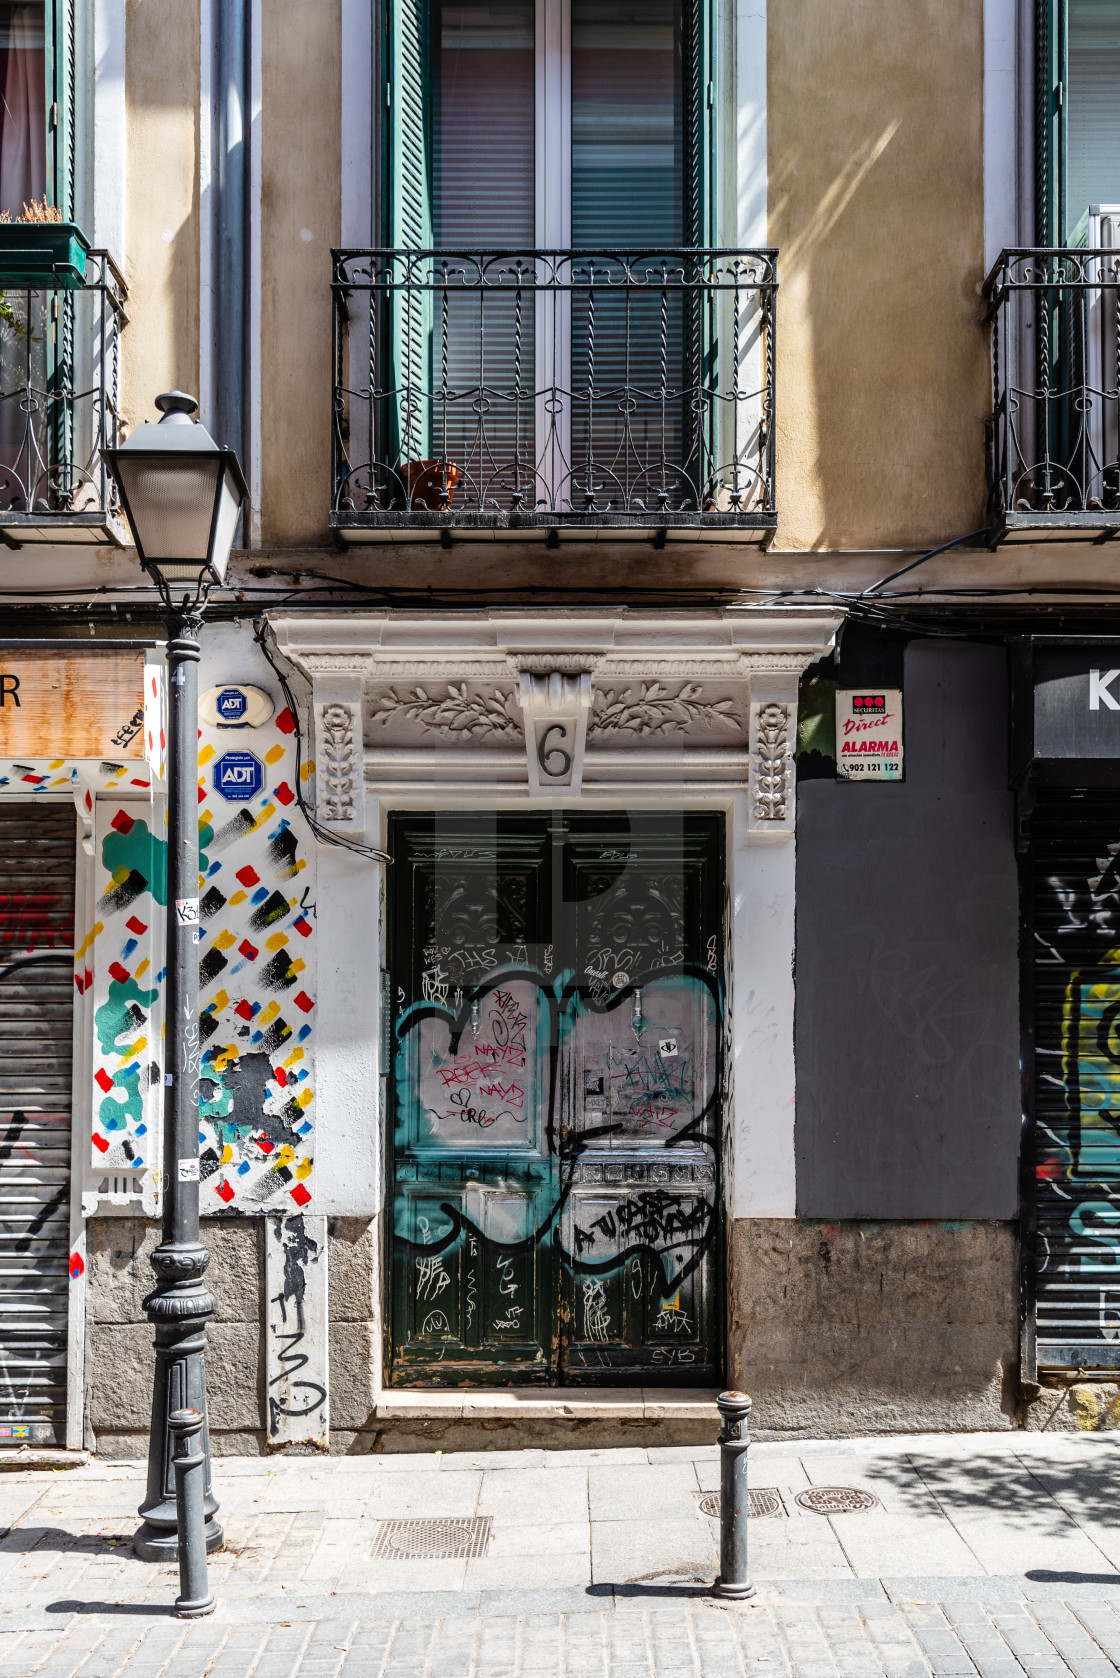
{"points": [[444, 1538], [836, 1500], [761, 1500]]}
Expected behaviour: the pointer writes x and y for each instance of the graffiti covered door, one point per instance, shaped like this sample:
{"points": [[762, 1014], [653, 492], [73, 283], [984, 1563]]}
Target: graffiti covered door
{"points": [[1074, 1212], [556, 1015]]}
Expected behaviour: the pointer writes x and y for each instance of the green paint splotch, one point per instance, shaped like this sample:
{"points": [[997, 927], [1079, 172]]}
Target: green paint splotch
{"points": [[138, 849], [112, 1021]]}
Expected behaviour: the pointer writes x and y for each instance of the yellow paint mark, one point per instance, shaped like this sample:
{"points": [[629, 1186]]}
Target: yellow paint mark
{"points": [[57, 763], [61, 781], [227, 1154], [673, 1304], [238, 897], [266, 815], [229, 1053], [304, 1098], [206, 754], [303, 1169], [286, 1155], [205, 816], [220, 1001], [301, 862], [307, 770], [277, 941], [297, 966], [120, 875], [98, 926], [134, 1048], [224, 940], [141, 970], [274, 755], [296, 1055], [268, 1014]]}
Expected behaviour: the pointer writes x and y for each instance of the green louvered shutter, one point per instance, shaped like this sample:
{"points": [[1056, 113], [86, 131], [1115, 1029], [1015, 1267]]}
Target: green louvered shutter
{"points": [[60, 71], [1051, 82], [699, 123], [410, 222]]}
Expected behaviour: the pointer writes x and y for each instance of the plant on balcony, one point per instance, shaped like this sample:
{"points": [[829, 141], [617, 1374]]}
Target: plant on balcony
{"points": [[39, 250]]}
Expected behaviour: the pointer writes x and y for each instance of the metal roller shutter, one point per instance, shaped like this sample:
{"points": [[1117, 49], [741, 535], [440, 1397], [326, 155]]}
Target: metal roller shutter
{"points": [[37, 852]]}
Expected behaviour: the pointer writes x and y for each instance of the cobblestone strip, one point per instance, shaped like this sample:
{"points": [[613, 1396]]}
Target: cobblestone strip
{"points": [[1102, 1624], [948, 1656]]}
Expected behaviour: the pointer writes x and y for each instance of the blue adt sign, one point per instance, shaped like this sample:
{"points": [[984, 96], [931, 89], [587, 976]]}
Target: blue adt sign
{"points": [[232, 705], [238, 776]]}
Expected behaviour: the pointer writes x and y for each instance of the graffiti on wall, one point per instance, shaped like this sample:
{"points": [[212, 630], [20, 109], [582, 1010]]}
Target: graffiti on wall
{"points": [[296, 1342], [1077, 1113]]}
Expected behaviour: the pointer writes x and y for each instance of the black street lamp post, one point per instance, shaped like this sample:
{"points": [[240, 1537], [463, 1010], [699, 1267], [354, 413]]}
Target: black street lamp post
{"points": [[181, 495]]}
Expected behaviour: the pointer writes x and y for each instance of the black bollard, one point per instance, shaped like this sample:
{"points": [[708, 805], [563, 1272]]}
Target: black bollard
{"points": [[734, 1443], [189, 1462]]}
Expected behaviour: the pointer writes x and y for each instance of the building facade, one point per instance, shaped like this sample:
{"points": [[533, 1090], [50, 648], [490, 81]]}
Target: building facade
{"points": [[659, 748]]}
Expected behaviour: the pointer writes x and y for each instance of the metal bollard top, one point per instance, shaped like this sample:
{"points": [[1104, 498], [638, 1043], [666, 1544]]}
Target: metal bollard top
{"points": [[185, 1421], [734, 1402]]}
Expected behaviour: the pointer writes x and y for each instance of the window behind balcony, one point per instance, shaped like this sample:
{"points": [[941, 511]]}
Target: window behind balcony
{"points": [[521, 127], [1078, 115], [23, 111]]}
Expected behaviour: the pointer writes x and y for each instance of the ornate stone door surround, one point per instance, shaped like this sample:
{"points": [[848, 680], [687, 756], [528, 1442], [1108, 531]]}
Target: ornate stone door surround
{"points": [[506, 709]]}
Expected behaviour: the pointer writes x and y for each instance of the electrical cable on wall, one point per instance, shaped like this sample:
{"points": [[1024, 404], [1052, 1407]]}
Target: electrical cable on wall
{"points": [[317, 828]]}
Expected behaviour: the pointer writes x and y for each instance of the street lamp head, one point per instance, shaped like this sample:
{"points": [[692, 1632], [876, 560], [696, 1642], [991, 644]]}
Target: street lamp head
{"points": [[180, 492]]}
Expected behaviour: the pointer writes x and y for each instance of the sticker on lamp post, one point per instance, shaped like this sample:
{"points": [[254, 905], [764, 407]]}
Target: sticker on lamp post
{"points": [[238, 776], [869, 734]]}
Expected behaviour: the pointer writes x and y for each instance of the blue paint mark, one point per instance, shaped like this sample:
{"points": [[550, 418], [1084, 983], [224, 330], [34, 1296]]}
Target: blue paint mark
{"points": [[161, 975], [128, 949], [259, 895], [243, 1168], [304, 1031], [213, 869], [141, 1130]]}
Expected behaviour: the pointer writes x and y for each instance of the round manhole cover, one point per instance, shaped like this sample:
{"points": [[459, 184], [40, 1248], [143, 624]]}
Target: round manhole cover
{"points": [[836, 1500], [761, 1500], [432, 1538]]}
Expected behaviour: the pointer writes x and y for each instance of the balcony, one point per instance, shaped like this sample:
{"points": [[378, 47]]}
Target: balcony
{"points": [[508, 392], [59, 371], [1053, 443]]}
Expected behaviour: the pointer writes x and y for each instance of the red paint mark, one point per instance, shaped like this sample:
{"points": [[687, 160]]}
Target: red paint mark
{"points": [[101, 1143], [1049, 1168], [245, 1009], [79, 982], [302, 926], [300, 1195], [265, 1145], [88, 979], [285, 722], [302, 1000], [283, 793], [77, 1264], [123, 822], [135, 924], [162, 739], [248, 876], [201, 792], [35, 780], [102, 1077], [135, 783], [281, 1077], [225, 1192], [119, 973], [247, 950]]}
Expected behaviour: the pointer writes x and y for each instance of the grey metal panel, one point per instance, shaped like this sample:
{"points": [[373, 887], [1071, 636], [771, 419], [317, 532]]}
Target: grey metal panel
{"points": [[907, 1029], [36, 1020]]}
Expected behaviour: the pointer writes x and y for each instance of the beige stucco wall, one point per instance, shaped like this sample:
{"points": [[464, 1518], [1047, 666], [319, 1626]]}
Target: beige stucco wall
{"points": [[159, 349], [876, 205], [301, 218]]}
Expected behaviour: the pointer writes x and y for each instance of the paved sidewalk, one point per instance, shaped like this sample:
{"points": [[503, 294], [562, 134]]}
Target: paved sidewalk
{"points": [[994, 1555]]}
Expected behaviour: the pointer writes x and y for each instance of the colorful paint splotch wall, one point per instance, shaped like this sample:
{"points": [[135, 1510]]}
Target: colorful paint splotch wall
{"points": [[256, 962]]}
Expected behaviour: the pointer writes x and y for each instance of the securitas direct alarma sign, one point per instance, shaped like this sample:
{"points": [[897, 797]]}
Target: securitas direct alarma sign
{"points": [[238, 776], [869, 734]]}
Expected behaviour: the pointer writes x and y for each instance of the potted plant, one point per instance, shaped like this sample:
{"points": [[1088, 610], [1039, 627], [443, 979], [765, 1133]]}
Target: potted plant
{"points": [[39, 250], [424, 482]]}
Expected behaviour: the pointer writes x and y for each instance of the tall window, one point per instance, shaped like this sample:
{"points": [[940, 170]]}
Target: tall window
{"points": [[23, 112]]}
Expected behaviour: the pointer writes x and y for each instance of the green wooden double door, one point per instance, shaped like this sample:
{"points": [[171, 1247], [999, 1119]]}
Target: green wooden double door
{"points": [[556, 1016]]}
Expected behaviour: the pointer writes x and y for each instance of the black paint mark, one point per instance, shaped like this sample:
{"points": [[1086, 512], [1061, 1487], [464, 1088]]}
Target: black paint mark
{"points": [[211, 903], [233, 830], [119, 897], [210, 966], [277, 974], [299, 1248], [274, 908]]}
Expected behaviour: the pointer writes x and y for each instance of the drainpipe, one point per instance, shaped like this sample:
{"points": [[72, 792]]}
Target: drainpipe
{"points": [[231, 227]]}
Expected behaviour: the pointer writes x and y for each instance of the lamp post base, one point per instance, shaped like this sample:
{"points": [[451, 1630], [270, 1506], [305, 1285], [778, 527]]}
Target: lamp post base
{"points": [[161, 1544]]}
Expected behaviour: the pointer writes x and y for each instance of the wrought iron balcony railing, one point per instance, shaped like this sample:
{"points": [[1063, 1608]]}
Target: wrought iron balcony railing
{"points": [[1054, 433], [59, 376], [513, 389]]}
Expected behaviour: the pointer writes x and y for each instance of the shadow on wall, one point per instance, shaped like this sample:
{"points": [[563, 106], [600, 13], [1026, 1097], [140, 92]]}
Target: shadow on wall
{"points": [[877, 209]]}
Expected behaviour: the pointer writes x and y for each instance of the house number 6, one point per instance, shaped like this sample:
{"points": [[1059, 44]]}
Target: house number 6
{"points": [[546, 753]]}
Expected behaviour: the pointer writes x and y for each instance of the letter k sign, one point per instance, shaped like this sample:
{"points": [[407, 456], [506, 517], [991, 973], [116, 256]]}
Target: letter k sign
{"points": [[1098, 690]]}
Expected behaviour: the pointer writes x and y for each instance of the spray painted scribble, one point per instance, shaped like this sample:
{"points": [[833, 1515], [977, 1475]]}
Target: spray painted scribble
{"points": [[297, 1381]]}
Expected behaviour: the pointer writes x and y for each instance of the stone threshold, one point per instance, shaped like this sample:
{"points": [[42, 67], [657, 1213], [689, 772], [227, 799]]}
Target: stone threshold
{"points": [[23, 1457], [616, 1404]]}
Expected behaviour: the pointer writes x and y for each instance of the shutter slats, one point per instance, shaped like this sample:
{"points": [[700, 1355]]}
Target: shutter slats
{"points": [[36, 1020]]}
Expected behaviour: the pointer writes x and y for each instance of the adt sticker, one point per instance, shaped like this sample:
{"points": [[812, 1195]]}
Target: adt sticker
{"points": [[238, 776], [231, 704]]}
